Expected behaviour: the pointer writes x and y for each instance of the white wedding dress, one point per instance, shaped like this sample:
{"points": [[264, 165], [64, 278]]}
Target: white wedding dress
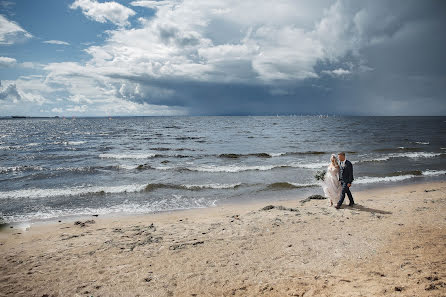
{"points": [[331, 184]]}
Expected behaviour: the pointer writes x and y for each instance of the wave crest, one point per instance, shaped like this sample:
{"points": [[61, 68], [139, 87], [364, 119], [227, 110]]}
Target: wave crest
{"points": [[35, 193], [288, 186], [127, 156], [398, 176]]}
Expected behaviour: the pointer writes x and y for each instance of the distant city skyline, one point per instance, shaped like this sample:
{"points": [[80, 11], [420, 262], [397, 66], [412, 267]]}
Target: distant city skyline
{"points": [[194, 57]]}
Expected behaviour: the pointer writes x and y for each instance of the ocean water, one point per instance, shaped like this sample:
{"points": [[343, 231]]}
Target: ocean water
{"points": [[51, 168]]}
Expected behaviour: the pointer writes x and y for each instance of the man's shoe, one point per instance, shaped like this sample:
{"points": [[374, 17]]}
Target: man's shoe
{"points": [[337, 207], [351, 204]]}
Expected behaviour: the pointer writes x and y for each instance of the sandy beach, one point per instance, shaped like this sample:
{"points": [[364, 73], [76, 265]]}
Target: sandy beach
{"points": [[392, 243]]}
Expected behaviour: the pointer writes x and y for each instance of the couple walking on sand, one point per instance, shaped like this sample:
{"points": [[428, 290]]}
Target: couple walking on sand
{"points": [[338, 180]]}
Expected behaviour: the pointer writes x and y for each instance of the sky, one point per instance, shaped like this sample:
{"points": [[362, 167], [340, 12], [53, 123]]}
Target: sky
{"points": [[222, 57]]}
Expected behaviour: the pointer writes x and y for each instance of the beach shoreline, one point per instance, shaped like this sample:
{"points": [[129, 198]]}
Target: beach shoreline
{"points": [[273, 248], [234, 202]]}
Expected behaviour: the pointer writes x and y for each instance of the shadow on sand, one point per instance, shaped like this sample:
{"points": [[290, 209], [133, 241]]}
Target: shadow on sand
{"points": [[360, 207]]}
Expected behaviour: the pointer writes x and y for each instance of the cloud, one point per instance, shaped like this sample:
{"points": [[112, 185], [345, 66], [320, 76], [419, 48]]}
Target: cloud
{"points": [[6, 4], [184, 41], [7, 7], [7, 62], [31, 65], [77, 108], [113, 12], [340, 72], [58, 42], [229, 41], [79, 98], [152, 4], [11, 32], [255, 57], [9, 93], [57, 110], [337, 72], [245, 51], [31, 90], [207, 42]]}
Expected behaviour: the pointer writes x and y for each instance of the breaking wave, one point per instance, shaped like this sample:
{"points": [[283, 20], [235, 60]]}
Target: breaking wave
{"points": [[175, 202], [412, 155], [152, 187], [102, 190], [269, 155], [288, 186], [74, 191], [127, 156], [398, 176]]}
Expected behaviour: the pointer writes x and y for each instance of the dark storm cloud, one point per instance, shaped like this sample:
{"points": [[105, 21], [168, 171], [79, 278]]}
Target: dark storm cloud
{"points": [[204, 98], [397, 66], [409, 71]]}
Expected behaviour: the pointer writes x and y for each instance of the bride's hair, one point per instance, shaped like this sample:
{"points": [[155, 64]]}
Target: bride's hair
{"points": [[333, 160]]}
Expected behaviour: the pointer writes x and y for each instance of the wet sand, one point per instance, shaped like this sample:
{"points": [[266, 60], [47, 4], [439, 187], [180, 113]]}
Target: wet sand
{"points": [[392, 243]]}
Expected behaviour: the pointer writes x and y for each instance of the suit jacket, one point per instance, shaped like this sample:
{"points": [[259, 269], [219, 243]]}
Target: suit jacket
{"points": [[346, 173]]}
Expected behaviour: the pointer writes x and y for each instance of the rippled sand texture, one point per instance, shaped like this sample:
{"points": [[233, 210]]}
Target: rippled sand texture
{"points": [[393, 243]]}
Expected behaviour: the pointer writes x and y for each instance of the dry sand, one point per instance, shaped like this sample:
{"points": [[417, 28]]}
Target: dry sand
{"points": [[393, 243]]}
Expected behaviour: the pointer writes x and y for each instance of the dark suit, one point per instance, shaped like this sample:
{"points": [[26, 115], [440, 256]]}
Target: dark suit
{"points": [[346, 177]]}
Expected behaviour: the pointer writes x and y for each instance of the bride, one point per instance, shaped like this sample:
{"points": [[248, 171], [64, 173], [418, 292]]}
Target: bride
{"points": [[331, 184]]}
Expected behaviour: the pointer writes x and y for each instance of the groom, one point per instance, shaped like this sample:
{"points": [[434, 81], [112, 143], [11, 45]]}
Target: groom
{"points": [[346, 178]]}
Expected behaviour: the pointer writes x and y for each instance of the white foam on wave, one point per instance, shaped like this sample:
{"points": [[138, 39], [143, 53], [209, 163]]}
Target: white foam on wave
{"points": [[75, 142], [73, 169], [128, 167], [8, 147], [39, 168], [378, 159], [412, 155], [241, 168], [231, 168], [422, 142], [127, 156], [20, 168], [276, 154], [33, 144], [34, 193], [311, 165], [9, 169], [304, 185], [165, 168], [373, 179], [76, 191], [415, 155], [434, 172], [226, 168], [212, 186], [79, 142], [175, 202]]}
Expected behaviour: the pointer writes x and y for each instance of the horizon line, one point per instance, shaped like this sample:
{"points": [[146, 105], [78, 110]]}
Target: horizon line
{"points": [[209, 115]]}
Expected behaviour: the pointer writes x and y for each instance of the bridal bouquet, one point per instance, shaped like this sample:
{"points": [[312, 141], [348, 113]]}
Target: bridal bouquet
{"points": [[320, 175]]}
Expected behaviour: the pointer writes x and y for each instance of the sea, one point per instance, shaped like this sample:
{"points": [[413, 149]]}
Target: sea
{"points": [[54, 168]]}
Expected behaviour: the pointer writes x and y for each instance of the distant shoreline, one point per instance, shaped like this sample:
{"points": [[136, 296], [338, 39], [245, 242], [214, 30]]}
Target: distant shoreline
{"points": [[218, 115], [28, 117]]}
